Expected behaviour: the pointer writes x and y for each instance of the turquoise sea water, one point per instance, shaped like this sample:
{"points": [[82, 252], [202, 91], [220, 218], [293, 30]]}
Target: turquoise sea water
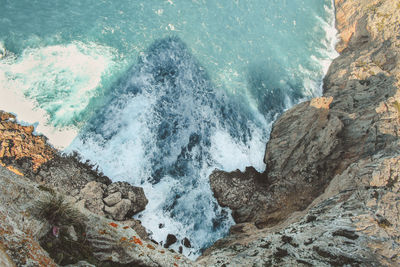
{"points": [[160, 93]]}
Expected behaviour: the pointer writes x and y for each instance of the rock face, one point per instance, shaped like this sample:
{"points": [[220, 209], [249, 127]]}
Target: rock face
{"points": [[29, 155], [134, 194], [243, 193], [330, 194], [100, 241], [18, 145]]}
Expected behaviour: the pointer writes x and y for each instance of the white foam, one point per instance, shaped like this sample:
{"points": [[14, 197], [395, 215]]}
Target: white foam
{"points": [[50, 86], [232, 155]]}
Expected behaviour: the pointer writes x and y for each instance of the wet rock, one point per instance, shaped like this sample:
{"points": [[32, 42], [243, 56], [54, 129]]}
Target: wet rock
{"points": [[171, 239], [186, 242], [240, 191]]}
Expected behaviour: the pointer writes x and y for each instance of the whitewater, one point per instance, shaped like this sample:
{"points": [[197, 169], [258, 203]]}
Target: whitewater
{"points": [[161, 93]]}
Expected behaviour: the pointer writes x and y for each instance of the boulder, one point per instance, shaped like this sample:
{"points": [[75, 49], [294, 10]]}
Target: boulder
{"points": [[113, 199], [120, 210], [171, 239], [133, 193], [93, 193]]}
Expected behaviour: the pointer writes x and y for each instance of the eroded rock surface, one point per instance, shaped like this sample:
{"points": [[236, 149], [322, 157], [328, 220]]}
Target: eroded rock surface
{"points": [[20, 146], [98, 242], [331, 182]]}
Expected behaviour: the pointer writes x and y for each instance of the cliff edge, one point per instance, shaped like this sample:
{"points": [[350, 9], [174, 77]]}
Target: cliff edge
{"points": [[329, 194]]}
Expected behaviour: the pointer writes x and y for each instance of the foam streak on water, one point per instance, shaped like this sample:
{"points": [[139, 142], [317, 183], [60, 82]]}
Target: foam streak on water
{"points": [[52, 86]]}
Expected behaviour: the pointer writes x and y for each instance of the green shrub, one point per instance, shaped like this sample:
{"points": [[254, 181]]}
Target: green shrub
{"points": [[57, 211]]}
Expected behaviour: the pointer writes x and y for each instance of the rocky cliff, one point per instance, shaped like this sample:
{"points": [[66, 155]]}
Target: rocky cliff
{"points": [[55, 210], [330, 191], [329, 195]]}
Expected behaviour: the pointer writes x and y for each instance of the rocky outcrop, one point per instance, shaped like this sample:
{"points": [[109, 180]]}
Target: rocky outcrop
{"points": [[331, 182], [29, 155], [73, 237], [20, 146]]}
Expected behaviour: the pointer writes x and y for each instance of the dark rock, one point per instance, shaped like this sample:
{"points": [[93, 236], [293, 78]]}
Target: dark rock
{"points": [[240, 191], [286, 239], [346, 233], [311, 218], [280, 253], [186, 242], [336, 260], [171, 239]]}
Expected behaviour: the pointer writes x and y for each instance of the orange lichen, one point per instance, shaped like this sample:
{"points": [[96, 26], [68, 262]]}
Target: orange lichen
{"points": [[19, 142], [175, 264], [113, 224], [125, 227], [102, 232], [150, 247], [137, 241], [162, 251], [123, 239], [177, 257]]}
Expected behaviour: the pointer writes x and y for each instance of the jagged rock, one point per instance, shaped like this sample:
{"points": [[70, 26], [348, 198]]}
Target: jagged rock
{"points": [[134, 194], [297, 170], [113, 199], [171, 239], [239, 191], [68, 175], [19, 147], [93, 193], [138, 227], [120, 210], [340, 152], [103, 243], [186, 242]]}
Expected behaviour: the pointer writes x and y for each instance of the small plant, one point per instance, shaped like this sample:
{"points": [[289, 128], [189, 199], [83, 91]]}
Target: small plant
{"points": [[57, 211], [63, 246]]}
